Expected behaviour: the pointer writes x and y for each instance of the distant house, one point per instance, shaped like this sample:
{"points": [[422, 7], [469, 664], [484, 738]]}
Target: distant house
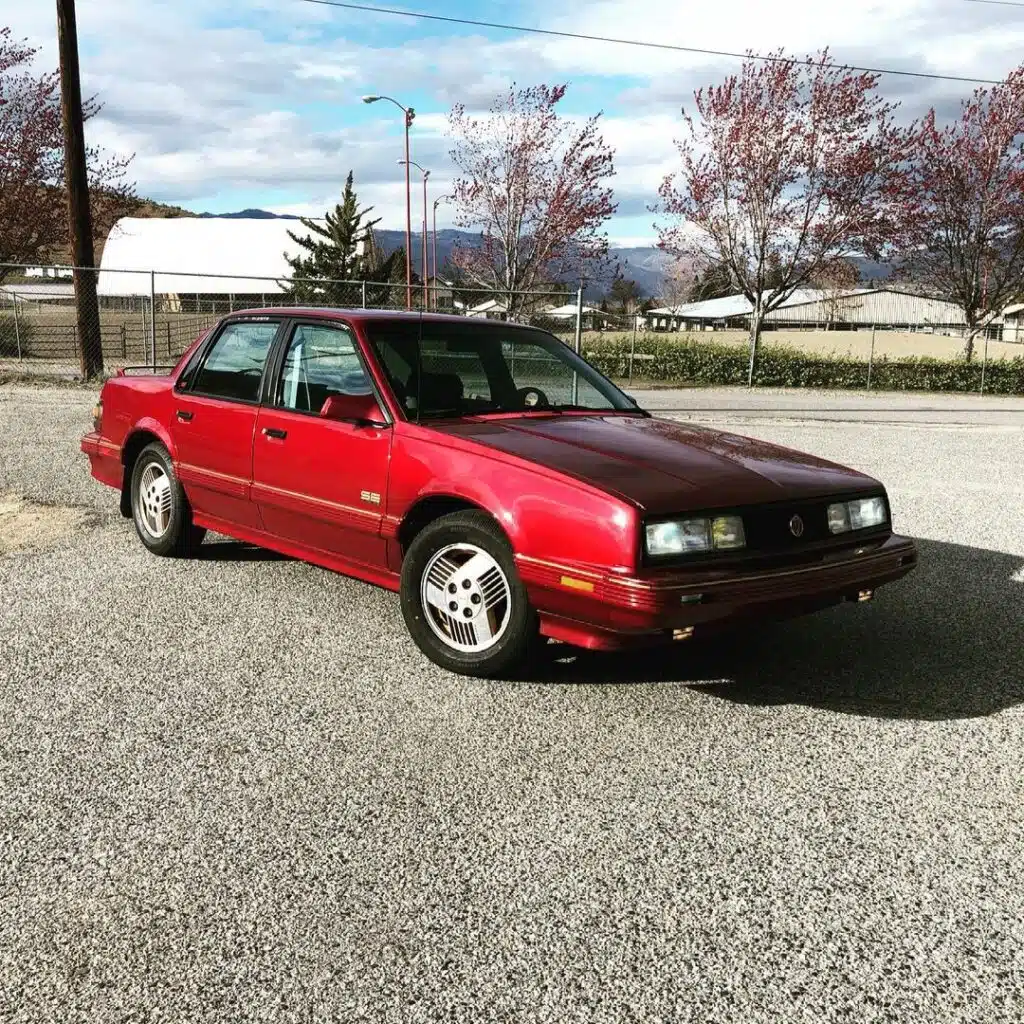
{"points": [[492, 309], [441, 294], [58, 272]]}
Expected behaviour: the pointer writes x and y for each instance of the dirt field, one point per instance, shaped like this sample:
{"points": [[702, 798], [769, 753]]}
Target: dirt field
{"points": [[25, 525]]}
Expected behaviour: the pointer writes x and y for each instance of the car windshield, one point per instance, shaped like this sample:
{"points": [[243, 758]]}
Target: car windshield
{"points": [[443, 370]]}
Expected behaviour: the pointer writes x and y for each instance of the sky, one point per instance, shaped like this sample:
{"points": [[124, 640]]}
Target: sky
{"points": [[229, 104]]}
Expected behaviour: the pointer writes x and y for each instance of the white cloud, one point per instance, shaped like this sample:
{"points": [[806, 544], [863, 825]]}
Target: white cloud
{"points": [[965, 36], [238, 106], [327, 72]]}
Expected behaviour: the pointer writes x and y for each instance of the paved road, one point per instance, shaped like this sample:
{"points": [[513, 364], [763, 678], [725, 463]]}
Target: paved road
{"points": [[740, 405], [231, 789]]}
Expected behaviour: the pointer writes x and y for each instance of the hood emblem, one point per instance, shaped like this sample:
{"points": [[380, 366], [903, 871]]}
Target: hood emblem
{"points": [[796, 526]]}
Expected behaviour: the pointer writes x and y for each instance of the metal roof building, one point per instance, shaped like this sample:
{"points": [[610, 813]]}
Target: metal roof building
{"points": [[568, 311], [1013, 322], [726, 308], [38, 292], [808, 307], [867, 306]]}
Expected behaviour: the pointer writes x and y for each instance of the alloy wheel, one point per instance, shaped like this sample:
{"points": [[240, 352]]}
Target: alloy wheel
{"points": [[155, 500], [466, 598]]}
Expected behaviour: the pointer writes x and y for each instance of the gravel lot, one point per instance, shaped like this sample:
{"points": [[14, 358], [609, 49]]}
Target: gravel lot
{"points": [[231, 789]]}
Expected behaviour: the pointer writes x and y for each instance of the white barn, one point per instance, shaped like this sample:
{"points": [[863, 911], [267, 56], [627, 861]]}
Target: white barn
{"points": [[198, 256]]}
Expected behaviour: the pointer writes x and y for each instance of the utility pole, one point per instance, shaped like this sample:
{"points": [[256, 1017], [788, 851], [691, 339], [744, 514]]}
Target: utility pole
{"points": [[77, 182]]}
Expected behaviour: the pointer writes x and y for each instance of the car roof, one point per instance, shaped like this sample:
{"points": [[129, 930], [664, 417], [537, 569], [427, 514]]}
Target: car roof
{"points": [[334, 313]]}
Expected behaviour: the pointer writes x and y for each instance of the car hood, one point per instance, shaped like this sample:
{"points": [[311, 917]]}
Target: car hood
{"points": [[663, 465]]}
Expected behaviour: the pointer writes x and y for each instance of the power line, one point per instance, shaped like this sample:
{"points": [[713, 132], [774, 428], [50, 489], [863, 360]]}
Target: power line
{"points": [[997, 3], [637, 42]]}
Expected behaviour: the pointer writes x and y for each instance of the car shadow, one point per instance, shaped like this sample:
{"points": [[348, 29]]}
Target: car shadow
{"points": [[946, 642], [228, 550]]}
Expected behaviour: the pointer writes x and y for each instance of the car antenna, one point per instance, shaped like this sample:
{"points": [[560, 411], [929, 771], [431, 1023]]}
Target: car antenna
{"points": [[419, 368]]}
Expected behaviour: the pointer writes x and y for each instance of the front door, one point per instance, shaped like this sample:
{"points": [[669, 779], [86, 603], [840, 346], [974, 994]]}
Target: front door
{"points": [[317, 482], [213, 418]]}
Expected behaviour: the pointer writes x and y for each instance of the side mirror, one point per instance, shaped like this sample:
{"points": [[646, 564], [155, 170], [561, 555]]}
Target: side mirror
{"points": [[362, 410]]}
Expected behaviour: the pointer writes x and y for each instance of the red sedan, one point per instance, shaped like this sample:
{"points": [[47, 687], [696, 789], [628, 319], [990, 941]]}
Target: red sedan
{"points": [[494, 478]]}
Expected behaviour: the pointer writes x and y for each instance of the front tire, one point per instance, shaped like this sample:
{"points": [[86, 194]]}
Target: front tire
{"points": [[162, 514], [462, 599]]}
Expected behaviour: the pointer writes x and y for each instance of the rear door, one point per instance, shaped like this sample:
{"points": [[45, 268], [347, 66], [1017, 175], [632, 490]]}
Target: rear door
{"points": [[214, 417], [317, 482]]}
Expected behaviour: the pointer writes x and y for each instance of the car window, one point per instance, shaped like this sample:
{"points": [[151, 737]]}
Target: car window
{"points": [[321, 361], [234, 367], [448, 369], [466, 363], [535, 368]]}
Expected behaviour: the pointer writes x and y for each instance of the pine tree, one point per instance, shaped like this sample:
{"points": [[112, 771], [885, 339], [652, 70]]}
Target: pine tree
{"points": [[342, 249], [385, 272]]}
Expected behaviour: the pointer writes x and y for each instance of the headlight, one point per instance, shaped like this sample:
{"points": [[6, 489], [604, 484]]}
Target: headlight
{"points": [[693, 536], [859, 514]]}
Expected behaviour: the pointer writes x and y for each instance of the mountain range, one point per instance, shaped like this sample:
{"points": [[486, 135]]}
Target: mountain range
{"points": [[646, 265]]}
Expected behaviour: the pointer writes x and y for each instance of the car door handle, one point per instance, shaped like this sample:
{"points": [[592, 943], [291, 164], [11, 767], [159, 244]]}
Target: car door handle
{"points": [[186, 416], [274, 432]]}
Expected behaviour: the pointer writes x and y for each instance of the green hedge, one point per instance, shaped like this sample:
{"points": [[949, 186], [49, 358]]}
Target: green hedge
{"points": [[779, 366]]}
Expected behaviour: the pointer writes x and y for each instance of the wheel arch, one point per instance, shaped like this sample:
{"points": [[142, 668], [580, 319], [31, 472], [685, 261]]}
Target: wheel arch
{"points": [[432, 507]]}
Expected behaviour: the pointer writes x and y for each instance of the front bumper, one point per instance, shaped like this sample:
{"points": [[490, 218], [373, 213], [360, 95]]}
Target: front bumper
{"points": [[609, 611]]}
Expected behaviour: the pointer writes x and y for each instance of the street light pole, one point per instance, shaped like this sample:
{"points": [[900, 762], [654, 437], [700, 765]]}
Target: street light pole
{"points": [[439, 199], [410, 115], [426, 268], [426, 174]]}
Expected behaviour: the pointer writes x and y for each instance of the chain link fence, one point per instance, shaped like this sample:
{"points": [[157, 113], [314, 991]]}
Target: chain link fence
{"points": [[149, 318]]}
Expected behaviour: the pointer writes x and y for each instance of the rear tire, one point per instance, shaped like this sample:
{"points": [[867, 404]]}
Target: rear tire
{"points": [[160, 510], [462, 599]]}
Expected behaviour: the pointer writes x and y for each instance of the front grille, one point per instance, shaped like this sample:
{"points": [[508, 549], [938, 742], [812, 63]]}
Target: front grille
{"points": [[768, 533], [768, 527]]}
